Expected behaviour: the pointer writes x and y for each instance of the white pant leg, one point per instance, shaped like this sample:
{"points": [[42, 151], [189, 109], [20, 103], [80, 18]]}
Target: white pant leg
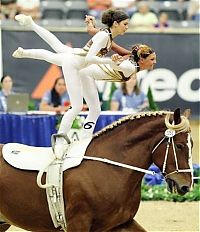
{"points": [[42, 54], [50, 39], [74, 89], [90, 94]]}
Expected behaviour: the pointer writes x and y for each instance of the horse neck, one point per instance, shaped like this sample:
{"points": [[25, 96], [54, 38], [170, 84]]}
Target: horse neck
{"points": [[131, 142]]}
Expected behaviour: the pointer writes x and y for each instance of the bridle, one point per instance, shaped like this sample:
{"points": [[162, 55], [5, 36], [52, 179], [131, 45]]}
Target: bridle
{"points": [[169, 136]]}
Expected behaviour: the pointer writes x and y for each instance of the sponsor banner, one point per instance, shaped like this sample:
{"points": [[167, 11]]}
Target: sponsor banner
{"points": [[174, 81]]}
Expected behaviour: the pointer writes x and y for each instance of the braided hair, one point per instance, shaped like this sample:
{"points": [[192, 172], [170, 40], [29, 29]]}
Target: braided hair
{"points": [[140, 51]]}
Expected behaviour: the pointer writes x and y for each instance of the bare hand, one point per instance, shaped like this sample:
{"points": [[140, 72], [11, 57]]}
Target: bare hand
{"points": [[117, 58], [90, 19]]}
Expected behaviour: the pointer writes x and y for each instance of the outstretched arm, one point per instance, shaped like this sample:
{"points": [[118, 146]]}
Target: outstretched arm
{"points": [[92, 30], [120, 50]]}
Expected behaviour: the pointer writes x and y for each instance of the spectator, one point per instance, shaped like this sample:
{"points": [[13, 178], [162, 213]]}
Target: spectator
{"points": [[6, 89], [144, 17], [29, 7], [193, 12], [96, 7], [8, 9], [127, 5], [129, 97], [162, 21], [56, 99]]}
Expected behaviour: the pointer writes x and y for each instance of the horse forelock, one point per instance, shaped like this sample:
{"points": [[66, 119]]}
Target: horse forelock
{"points": [[136, 116], [183, 126]]}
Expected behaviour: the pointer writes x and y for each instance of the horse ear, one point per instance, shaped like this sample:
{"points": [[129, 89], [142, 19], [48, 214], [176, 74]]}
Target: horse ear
{"points": [[177, 116], [187, 113]]}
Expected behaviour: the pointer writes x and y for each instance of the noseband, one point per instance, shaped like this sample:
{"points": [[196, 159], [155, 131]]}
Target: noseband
{"points": [[169, 136]]}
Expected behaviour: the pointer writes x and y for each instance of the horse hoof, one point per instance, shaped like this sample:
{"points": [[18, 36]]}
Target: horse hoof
{"points": [[4, 226]]}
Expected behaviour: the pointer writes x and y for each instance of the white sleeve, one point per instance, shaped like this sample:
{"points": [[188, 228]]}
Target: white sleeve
{"points": [[99, 41], [127, 67]]}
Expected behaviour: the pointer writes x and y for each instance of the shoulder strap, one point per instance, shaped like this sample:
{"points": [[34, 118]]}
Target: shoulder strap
{"points": [[107, 29]]}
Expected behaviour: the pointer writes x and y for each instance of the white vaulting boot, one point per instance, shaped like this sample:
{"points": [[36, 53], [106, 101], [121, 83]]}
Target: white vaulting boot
{"points": [[18, 53], [24, 20], [60, 145]]}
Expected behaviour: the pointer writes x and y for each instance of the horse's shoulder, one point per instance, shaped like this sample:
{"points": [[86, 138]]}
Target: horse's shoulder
{"points": [[1, 147]]}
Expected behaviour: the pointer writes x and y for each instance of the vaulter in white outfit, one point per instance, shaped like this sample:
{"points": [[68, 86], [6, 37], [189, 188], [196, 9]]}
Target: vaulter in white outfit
{"points": [[72, 60], [75, 61]]}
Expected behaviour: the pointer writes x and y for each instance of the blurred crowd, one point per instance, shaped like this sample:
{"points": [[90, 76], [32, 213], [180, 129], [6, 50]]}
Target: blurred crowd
{"points": [[123, 97], [9, 8], [127, 96], [156, 13]]}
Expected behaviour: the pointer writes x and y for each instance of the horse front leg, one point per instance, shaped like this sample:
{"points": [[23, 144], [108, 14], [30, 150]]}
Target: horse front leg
{"points": [[79, 218], [131, 226], [77, 224]]}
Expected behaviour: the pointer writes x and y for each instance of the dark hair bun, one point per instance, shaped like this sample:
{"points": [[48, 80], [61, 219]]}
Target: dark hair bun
{"points": [[111, 15]]}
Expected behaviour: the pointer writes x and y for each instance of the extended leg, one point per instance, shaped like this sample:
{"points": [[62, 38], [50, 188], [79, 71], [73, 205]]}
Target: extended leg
{"points": [[39, 54], [46, 35]]}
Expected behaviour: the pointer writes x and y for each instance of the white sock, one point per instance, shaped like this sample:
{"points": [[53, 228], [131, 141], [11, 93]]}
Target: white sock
{"points": [[18, 53]]}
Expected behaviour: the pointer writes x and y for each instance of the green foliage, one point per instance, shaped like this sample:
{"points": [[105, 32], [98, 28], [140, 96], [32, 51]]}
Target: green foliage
{"points": [[77, 123], [160, 192], [152, 105], [31, 105], [196, 173], [106, 103]]}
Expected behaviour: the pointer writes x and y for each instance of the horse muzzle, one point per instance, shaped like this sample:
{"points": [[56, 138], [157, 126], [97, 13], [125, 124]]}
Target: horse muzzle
{"points": [[174, 187]]}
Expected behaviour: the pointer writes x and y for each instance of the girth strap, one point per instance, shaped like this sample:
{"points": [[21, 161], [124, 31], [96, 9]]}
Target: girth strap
{"points": [[54, 178]]}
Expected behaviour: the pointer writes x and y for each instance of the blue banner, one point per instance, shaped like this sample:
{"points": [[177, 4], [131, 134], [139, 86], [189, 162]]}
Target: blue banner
{"points": [[174, 81]]}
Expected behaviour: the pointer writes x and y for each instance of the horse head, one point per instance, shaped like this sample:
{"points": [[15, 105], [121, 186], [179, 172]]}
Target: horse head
{"points": [[172, 154]]}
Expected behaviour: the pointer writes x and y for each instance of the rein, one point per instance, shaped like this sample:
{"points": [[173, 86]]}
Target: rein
{"points": [[108, 161], [169, 134]]}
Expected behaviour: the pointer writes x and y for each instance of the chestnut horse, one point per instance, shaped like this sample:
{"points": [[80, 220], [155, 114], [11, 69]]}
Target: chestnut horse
{"points": [[101, 196]]}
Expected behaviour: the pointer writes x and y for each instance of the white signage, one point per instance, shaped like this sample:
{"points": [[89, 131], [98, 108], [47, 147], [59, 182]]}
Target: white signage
{"points": [[164, 84]]}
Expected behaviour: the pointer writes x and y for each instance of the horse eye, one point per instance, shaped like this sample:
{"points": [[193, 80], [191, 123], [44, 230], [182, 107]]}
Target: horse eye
{"points": [[179, 146]]}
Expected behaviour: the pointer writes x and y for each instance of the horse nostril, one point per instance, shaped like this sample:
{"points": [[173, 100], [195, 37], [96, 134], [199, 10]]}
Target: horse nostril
{"points": [[185, 189]]}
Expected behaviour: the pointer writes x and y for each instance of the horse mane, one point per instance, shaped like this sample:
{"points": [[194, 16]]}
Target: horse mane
{"points": [[181, 127], [130, 117]]}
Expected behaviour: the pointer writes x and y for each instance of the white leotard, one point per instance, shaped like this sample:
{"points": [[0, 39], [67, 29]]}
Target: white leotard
{"points": [[111, 72], [82, 57], [73, 61]]}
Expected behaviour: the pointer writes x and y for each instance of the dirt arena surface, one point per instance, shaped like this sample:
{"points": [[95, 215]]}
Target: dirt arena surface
{"points": [[164, 216]]}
